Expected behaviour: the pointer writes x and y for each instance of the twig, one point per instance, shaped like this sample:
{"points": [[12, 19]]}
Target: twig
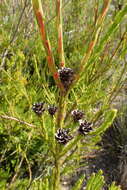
{"points": [[30, 171], [15, 175], [19, 21], [5, 53], [16, 119]]}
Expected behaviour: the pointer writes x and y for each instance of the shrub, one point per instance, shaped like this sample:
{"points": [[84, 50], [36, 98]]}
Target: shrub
{"points": [[39, 149]]}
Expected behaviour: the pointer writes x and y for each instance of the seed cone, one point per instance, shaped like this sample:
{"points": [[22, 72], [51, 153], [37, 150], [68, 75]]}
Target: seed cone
{"points": [[85, 127], [62, 136], [38, 108], [52, 110], [77, 115], [66, 76]]}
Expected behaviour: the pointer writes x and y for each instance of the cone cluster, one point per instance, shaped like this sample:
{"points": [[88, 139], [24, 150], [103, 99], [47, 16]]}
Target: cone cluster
{"points": [[84, 127], [40, 107], [62, 135]]}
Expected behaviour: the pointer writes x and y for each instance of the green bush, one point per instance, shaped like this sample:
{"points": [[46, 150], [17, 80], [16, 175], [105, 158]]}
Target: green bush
{"points": [[30, 156]]}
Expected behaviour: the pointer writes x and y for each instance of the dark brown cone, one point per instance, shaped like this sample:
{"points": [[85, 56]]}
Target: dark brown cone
{"points": [[85, 127], [62, 136], [52, 110], [66, 76], [38, 108], [77, 115]]}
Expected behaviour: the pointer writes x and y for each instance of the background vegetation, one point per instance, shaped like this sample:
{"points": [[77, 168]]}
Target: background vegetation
{"points": [[26, 159]]}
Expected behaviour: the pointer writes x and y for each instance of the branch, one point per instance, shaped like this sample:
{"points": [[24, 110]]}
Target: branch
{"points": [[95, 34], [16, 119], [93, 42]]}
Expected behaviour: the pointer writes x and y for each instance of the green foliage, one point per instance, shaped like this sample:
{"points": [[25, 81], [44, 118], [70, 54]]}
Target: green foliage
{"points": [[78, 184], [96, 182], [114, 187], [108, 120]]}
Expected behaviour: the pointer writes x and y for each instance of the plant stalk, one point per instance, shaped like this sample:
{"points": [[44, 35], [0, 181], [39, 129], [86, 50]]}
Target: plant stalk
{"points": [[61, 110], [60, 32], [37, 7], [56, 185]]}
